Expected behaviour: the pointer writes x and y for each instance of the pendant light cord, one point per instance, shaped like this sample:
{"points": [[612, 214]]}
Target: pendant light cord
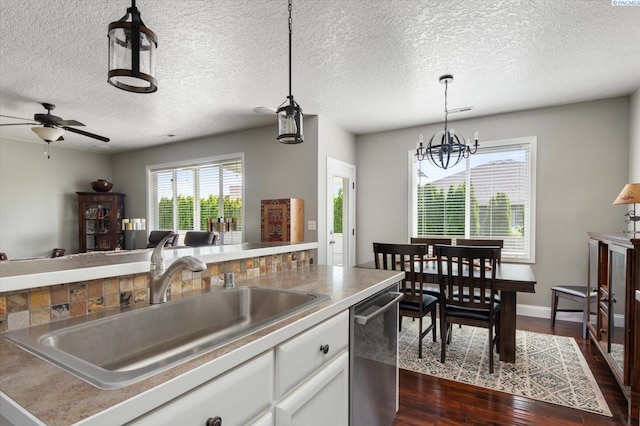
{"points": [[446, 111], [290, 25]]}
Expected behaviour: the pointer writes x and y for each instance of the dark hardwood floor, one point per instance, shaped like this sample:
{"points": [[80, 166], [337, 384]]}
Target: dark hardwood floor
{"points": [[427, 400]]}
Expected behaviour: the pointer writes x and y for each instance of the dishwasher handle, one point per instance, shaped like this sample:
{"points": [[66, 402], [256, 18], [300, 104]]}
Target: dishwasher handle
{"points": [[363, 320]]}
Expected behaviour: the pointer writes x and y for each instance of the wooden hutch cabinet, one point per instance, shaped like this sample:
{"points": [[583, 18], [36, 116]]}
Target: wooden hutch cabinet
{"points": [[614, 271], [100, 220]]}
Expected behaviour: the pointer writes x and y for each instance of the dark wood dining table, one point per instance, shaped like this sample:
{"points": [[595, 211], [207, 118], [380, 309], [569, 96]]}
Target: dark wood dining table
{"points": [[511, 279]]}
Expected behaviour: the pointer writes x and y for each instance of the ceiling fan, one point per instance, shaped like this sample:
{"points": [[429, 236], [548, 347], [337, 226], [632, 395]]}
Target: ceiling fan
{"points": [[52, 127]]}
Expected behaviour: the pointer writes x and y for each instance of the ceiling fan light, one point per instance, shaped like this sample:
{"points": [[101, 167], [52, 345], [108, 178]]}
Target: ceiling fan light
{"points": [[132, 54], [48, 134]]}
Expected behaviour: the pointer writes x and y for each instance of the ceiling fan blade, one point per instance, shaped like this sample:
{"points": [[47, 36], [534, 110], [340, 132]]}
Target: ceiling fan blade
{"points": [[83, 133], [19, 124], [17, 118], [69, 123]]}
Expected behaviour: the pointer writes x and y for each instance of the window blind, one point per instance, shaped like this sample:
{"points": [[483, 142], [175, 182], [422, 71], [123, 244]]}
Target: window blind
{"points": [[183, 197], [488, 195]]}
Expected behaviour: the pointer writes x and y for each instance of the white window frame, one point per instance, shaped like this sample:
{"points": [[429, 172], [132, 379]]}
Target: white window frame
{"points": [[200, 162], [413, 201]]}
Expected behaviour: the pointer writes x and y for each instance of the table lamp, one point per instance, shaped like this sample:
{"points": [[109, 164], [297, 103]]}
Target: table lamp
{"points": [[630, 195]]}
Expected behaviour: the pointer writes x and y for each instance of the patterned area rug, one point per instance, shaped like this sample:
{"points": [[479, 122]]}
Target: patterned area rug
{"points": [[548, 368]]}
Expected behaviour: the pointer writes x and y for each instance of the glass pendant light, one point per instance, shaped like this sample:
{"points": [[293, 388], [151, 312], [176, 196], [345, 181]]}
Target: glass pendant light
{"points": [[289, 113], [132, 54]]}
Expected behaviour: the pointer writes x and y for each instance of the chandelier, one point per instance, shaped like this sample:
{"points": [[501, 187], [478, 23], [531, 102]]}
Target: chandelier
{"points": [[289, 113], [445, 148]]}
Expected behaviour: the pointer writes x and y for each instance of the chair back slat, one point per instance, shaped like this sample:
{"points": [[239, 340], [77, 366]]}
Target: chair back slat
{"points": [[401, 257]]}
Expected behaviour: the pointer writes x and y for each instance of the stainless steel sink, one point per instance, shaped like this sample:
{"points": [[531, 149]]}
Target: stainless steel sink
{"points": [[116, 351]]}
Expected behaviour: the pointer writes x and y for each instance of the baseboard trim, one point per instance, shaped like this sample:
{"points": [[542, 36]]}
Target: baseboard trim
{"points": [[545, 312]]}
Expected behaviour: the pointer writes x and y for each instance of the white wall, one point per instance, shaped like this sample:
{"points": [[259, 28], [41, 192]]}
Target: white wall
{"points": [[582, 164], [272, 170], [336, 143], [38, 201]]}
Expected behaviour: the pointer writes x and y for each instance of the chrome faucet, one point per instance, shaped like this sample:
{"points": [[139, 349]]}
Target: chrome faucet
{"points": [[159, 278]]}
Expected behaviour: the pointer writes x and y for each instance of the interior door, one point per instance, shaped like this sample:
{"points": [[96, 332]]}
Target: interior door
{"points": [[341, 213]]}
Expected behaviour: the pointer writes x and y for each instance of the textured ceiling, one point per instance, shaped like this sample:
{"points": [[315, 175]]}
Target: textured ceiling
{"points": [[369, 65]]}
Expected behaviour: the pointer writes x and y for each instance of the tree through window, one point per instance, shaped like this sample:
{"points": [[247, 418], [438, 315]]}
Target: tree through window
{"points": [[489, 195]]}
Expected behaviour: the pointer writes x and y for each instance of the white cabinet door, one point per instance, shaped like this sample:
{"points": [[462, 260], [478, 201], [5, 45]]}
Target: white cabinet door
{"points": [[241, 396], [322, 400]]}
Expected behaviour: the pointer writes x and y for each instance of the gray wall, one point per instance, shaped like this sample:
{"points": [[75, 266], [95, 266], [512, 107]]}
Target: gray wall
{"points": [[336, 143], [582, 164], [272, 170], [38, 201]]}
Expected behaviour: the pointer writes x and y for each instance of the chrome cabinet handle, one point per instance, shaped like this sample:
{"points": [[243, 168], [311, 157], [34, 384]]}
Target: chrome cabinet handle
{"points": [[324, 349], [214, 421], [363, 320]]}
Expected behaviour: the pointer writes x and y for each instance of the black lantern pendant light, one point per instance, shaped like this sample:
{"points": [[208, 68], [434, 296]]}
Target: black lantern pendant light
{"points": [[132, 54], [445, 148], [289, 113]]}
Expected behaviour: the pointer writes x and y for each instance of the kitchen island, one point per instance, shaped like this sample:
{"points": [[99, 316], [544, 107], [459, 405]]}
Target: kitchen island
{"points": [[32, 391]]}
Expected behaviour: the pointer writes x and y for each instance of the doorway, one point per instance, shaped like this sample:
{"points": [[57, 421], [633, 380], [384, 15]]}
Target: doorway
{"points": [[341, 213]]}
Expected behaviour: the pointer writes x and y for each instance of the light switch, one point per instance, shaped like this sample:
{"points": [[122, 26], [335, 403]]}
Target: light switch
{"points": [[311, 225]]}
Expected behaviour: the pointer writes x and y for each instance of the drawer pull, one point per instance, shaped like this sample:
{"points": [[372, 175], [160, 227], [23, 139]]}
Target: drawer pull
{"points": [[324, 349], [214, 421]]}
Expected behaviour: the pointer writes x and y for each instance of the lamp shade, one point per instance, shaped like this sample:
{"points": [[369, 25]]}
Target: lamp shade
{"points": [[48, 134], [630, 194]]}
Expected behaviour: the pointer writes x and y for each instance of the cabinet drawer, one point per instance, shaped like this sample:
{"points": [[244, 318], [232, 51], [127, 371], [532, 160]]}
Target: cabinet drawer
{"points": [[237, 397], [321, 400], [300, 356]]}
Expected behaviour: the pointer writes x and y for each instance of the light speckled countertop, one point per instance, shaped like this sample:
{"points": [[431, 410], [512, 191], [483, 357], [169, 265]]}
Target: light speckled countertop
{"points": [[29, 273], [58, 398]]}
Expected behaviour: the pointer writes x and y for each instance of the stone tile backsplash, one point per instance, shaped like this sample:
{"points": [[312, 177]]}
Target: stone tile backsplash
{"points": [[26, 308]]}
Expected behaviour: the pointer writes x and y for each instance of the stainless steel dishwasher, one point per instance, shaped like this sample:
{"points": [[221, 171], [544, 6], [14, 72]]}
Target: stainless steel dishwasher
{"points": [[374, 359]]}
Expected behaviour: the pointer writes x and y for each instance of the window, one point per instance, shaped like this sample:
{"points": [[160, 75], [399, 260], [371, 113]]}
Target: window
{"points": [[182, 196], [500, 202]]}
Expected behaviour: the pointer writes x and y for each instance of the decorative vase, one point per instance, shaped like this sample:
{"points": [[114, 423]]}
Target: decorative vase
{"points": [[101, 185]]}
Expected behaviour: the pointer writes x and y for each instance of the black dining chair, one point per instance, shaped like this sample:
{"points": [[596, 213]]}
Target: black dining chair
{"points": [[430, 243], [156, 236], [417, 303], [465, 270], [575, 293], [199, 238], [481, 242]]}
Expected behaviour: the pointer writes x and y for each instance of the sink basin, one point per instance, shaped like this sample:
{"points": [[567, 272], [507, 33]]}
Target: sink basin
{"points": [[118, 350]]}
